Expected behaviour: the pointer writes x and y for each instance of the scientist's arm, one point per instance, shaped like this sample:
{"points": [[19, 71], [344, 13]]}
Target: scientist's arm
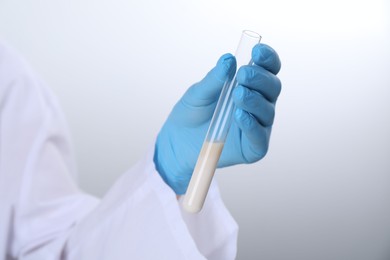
{"points": [[44, 215]]}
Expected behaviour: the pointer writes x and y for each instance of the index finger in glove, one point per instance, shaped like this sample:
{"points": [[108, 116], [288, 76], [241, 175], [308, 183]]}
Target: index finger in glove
{"points": [[208, 89]]}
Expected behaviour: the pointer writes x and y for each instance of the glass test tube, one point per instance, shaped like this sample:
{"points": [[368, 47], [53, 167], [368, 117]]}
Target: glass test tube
{"points": [[218, 130]]}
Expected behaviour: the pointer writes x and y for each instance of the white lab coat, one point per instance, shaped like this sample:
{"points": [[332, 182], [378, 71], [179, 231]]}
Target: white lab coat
{"points": [[45, 215]]}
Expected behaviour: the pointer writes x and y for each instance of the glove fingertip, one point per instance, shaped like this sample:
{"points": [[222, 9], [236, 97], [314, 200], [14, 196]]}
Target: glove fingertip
{"points": [[226, 67], [265, 56]]}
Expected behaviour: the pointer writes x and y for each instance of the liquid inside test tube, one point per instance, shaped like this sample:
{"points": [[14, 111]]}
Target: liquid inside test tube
{"points": [[202, 176], [216, 135]]}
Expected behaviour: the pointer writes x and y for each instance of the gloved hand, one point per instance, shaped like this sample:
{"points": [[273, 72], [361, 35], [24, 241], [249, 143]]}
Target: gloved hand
{"points": [[180, 139]]}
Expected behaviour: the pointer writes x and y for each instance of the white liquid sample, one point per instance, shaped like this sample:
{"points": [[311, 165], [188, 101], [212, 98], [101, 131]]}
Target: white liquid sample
{"points": [[202, 176]]}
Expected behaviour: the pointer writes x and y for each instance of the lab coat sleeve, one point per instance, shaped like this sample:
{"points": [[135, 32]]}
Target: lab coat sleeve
{"points": [[141, 214], [213, 229], [139, 217]]}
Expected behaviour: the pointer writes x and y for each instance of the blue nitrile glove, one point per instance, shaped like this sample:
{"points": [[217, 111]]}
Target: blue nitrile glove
{"points": [[180, 139]]}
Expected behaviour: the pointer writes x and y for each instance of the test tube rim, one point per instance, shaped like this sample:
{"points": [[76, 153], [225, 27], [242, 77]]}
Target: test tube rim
{"points": [[251, 34]]}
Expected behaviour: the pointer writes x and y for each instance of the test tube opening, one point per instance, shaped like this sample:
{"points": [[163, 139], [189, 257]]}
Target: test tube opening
{"points": [[252, 34]]}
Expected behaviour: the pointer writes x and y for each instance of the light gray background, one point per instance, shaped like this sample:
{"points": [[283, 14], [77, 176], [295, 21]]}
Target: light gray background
{"points": [[322, 192]]}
